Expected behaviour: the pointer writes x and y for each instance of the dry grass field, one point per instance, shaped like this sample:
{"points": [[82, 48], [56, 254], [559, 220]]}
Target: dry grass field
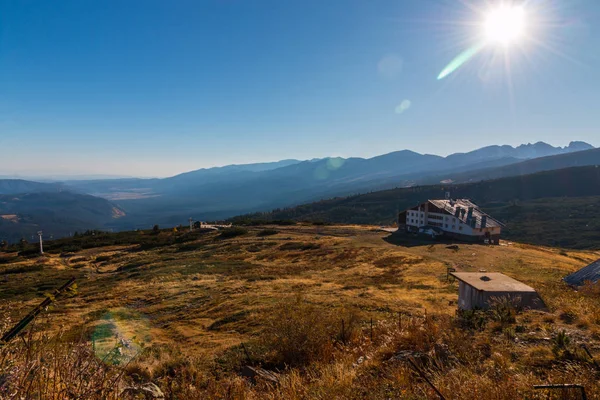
{"points": [[331, 309]]}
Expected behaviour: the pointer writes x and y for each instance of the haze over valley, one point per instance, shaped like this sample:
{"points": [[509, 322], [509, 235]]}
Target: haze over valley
{"points": [[65, 207]]}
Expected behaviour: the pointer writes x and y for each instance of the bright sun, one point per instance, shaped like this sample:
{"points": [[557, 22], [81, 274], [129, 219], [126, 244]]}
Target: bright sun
{"points": [[504, 25]]}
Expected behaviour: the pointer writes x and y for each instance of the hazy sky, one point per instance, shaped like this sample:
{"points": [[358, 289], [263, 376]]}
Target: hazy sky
{"points": [[153, 88]]}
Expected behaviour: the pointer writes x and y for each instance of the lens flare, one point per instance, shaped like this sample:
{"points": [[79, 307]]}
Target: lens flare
{"points": [[460, 60], [119, 335], [501, 27]]}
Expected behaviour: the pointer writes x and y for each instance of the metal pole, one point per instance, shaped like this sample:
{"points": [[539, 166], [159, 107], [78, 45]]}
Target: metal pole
{"points": [[41, 244]]}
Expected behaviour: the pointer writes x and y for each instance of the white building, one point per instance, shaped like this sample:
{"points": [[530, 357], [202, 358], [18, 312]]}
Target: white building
{"points": [[460, 219]]}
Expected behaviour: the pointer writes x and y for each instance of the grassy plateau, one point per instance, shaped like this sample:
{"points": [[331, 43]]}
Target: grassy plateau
{"points": [[330, 311]]}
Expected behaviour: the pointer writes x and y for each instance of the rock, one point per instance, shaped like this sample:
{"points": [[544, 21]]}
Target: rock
{"points": [[360, 360], [148, 390], [253, 372]]}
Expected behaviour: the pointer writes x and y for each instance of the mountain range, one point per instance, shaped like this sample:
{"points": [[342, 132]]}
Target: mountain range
{"points": [[222, 192]]}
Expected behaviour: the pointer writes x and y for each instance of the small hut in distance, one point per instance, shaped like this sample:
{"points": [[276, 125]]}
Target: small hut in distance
{"points": [[479, 289], [591, 273]]}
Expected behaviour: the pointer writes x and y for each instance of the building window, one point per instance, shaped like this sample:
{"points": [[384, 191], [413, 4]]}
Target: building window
{"points": [[454, 220], [446, 225], [453, 226], [460, 228]]}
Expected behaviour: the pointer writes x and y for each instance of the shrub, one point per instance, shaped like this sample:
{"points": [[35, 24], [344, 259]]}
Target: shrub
{"points": [[24, 268], [472, 319], [8, 259], [267, 232], [299, 333], [299, 246], [568, 316], [232, 232], [50, 367], [70, 248], [504, 310], [561, 344]]}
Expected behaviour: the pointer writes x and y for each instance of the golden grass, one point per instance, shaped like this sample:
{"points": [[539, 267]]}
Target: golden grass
{"points": [[207, 297]]}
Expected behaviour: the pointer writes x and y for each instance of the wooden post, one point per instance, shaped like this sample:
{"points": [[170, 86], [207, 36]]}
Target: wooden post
{"points": [[8, 336], [590, 354], [564, 386], [247, 355], [399, 321], [422, 374]]}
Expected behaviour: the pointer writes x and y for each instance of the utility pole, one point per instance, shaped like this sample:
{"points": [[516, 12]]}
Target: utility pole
{"points": [[41, 244], [190, 224]]}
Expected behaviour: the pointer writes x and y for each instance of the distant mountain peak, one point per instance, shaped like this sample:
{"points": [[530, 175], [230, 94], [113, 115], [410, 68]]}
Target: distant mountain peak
{"points": [[579, 146]]}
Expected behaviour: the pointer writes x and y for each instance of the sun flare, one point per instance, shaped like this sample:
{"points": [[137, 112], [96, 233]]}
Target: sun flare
{"points": [[504, 25]]}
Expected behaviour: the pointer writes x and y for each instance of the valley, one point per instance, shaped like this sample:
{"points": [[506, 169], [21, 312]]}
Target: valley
{"points": [[226, 192]]}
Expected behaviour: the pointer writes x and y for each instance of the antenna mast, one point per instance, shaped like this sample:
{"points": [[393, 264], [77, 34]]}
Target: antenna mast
{"points": [[41, 244]]}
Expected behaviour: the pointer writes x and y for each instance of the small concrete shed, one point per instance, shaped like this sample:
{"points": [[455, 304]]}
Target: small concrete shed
{"points": [[591, 273], [477, 289]]}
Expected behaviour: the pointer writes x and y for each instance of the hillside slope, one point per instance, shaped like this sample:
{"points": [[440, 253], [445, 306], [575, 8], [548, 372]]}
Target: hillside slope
{"points": [[13, 186], [331, 311], [56, 213], [560, 207]]}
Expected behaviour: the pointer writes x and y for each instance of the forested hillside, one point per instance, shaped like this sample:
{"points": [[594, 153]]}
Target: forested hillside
{"points": [[56, 213], [560, 207]]}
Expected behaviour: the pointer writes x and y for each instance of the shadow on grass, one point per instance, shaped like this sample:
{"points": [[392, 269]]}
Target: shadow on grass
{"points": [[415, 240]]}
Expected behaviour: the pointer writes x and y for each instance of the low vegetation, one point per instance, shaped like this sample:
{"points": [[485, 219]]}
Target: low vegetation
{"points": [[318, 311]]}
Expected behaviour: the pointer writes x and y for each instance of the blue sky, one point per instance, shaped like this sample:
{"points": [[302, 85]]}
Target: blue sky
{"points": [[153, 88]]}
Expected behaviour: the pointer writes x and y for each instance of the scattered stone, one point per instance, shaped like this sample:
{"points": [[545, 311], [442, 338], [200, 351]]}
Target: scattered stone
{"points": [[360, 360], [253, 373], [148, 390]]}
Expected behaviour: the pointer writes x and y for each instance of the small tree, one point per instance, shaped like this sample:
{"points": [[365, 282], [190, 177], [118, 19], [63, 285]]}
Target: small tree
{"points": [[155, 229]]}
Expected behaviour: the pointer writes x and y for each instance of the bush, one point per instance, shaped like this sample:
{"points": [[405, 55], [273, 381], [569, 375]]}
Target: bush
{"points": [[70, 248], [55, 368], [30, 252], [472, 319], [8, 259], [235, 231], [267, 232], [299, 246], [24, 268], [299, 333], [504, 310]]}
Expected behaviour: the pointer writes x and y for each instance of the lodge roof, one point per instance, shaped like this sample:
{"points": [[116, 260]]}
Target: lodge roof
{"points": [[589, 273], [492, 282]]}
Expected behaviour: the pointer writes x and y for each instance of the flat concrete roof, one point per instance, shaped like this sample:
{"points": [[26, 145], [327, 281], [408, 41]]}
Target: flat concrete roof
{"points": [[492, 282]]}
